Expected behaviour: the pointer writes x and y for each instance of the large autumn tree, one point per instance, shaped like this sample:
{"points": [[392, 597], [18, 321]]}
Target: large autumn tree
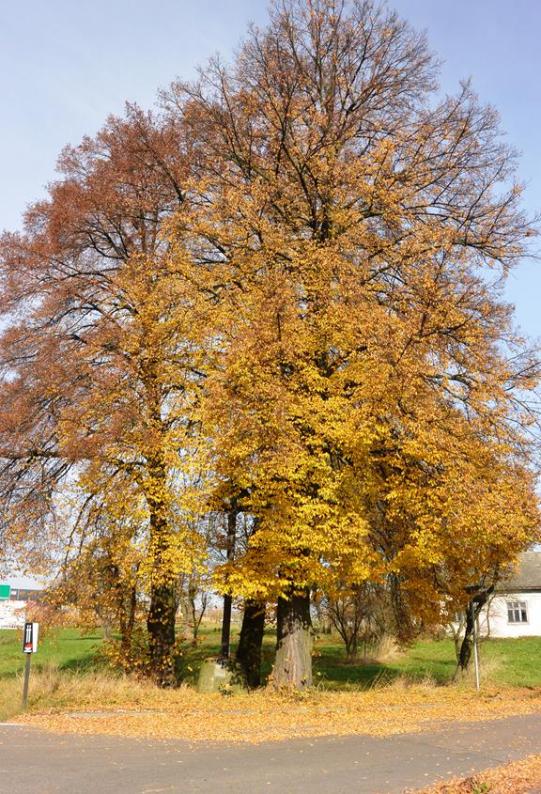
{"points": [[100, 363], [281, 300], [368, 404]]}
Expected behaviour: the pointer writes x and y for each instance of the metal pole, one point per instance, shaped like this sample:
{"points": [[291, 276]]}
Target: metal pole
{"points": [[476, 653], [26, 679]]}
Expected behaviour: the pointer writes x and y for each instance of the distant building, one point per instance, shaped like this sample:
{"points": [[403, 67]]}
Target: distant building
{"points": [[15, 594], [515, 608]]}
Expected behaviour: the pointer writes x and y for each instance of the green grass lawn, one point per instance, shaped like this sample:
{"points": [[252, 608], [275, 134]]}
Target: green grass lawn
{"points": [[67, 649], [515, 662]]}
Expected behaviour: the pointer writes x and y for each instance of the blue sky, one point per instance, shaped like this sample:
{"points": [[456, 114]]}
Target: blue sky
{"points": [[66, 64]]}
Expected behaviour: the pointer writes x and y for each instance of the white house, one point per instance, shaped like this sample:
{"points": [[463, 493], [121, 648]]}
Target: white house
{"points": [[15, 593], [515, 608]]}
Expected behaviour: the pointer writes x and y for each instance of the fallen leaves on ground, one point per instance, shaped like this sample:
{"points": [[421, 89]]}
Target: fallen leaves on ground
{"points": [[132, 708], [515, 778]]}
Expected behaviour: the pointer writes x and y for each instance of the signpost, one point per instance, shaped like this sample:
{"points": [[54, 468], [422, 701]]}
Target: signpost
{"points": [[5, 592], [30, 646]]}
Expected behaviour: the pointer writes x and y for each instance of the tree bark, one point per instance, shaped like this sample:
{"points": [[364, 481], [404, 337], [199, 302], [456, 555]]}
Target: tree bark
{"points": [[472, 614], [250, 642], [293, 664], [161, 631], [162, 612], [352, 648], [228, 598], [464, 655]]}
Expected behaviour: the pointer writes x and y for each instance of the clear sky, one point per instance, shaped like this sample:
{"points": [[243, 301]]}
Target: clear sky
{"points": [[66, 64]]}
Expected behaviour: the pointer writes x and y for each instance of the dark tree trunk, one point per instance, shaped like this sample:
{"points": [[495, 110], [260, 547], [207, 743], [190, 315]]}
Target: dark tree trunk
{"points": [[251, 641], [473, 611], [228, 598], [163, 591], [466, 647], [293, 665], [226, 628], [161, 630]]}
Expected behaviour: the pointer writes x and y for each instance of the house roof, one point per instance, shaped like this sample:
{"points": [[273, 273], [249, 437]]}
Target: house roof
{"points": [[526, 576]]}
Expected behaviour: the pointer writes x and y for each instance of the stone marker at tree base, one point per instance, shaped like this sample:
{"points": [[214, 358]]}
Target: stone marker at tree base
{"points": [[218, 676]]}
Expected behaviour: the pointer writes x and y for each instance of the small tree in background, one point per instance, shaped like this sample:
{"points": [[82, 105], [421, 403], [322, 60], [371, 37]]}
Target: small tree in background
{"points": [[193, 603], [361, 618]]}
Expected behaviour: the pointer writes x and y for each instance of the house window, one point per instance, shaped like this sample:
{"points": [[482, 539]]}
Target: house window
{"points": [[517, 612]]}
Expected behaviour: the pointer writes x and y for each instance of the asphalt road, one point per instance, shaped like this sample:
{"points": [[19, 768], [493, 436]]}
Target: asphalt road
{"points": [[35, 762]]}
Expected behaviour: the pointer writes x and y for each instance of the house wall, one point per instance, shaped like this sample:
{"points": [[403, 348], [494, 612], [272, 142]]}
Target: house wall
{"points": [[12, 614], [498, 624]]}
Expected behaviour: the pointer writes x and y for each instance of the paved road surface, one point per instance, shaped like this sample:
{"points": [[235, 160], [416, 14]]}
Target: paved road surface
{"points": [[33, 762]]}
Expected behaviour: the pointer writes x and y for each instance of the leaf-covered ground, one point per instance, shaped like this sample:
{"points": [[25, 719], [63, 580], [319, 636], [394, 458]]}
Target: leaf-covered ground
{"points": [[98, 704], [398, 693], [519, 777]]}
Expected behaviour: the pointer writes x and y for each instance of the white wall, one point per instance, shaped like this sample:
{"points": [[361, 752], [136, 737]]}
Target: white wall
{"points": [[497, 617], [12, 614]]}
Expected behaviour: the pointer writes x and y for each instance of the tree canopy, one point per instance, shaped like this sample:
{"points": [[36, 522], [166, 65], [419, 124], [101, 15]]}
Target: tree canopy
{"points": [[281, 293]]}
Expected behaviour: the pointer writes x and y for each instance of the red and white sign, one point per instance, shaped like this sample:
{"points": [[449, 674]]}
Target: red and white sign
{"points": [[30, 637]]}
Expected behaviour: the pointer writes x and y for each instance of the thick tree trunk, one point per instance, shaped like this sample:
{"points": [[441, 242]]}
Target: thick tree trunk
{"points": [[161, 631], [163, 590], [293, 665], [250, 642]]}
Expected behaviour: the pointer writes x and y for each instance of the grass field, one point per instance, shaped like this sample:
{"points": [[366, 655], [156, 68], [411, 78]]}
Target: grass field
{"points": [[513, 662], [398, 692], [67, 649]]}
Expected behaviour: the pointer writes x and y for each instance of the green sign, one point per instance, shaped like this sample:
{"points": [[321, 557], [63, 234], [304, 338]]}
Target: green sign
{"points": [[5, 591]]}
